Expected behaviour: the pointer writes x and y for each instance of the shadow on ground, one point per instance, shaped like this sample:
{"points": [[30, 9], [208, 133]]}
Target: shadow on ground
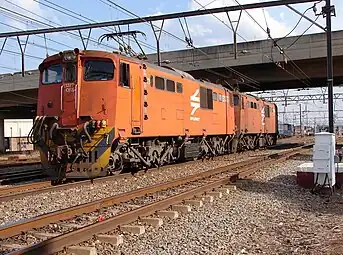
{"points": [[285, 145], [284, 187]]}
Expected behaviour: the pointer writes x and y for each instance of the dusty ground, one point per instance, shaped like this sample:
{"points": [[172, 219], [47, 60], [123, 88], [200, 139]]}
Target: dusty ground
{"points": [[268, 214]]}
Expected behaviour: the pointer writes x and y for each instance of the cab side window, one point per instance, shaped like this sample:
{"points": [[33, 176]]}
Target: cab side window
{"points": [[160, 83], [98, 70], [267, 111], [170, 86], [206, 98], [124, 75]]}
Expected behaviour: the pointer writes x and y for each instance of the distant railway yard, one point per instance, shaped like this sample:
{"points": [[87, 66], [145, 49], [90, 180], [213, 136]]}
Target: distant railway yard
{"points": [[244, 203]]}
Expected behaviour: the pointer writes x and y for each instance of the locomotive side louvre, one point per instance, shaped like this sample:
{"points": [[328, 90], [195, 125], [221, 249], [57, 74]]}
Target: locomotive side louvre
{"points": [[270, 118], [239, 116]]}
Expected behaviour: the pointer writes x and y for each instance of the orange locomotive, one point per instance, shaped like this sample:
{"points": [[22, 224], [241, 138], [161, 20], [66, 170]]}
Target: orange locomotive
{"points": [[100, 112], [256, 122]]}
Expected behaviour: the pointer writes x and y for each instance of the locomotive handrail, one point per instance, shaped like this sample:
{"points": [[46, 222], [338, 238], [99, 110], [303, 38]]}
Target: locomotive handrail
{"points": [[61, 106], [75, 97]]}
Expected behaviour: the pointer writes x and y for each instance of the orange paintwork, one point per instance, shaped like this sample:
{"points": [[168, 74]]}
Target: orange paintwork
{"points": [[250, 115], [271, 121], [158, 113], [168, 112]]}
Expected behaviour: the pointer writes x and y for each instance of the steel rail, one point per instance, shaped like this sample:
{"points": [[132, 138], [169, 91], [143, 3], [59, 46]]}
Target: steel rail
{"points": [[12, 173], [19, 191], [276, 159], [50, 188], [56, 244], [23, 192], [40, 187], [24, 187], [67, 213], [155, 18], [4, 165], [32, 189]]}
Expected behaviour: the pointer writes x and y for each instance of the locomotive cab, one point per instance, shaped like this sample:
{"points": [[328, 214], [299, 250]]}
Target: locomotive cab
{"points": [[73, 85], [58, 88], [77, 91]]}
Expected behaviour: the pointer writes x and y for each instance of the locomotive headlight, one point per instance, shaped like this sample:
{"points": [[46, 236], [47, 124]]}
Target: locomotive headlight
{"points": [[103, 123], [69, 56]]}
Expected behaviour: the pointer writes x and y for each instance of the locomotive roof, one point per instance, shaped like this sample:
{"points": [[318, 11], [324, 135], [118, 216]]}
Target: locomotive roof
{"points": [[167, 69], [173, 71]]}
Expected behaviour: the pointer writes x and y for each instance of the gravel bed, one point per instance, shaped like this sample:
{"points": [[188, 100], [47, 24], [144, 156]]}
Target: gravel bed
{"points": [[65, 226], [35, 205], [268, 214]]}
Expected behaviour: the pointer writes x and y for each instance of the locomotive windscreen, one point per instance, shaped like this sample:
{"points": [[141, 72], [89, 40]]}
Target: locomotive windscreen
{"points": [[98, 70], [52, 74]]}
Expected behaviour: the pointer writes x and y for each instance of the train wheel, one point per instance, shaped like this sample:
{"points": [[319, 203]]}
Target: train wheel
{"points": [[115, 163], [269, 140]]}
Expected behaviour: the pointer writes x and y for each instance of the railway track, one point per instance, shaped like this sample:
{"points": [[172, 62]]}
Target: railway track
{"points": [[19, 191], [51, 232], [13, 173]]}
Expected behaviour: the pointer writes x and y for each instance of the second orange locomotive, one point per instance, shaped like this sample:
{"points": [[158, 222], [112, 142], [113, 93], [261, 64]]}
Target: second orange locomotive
{"points": [[99, 112]]}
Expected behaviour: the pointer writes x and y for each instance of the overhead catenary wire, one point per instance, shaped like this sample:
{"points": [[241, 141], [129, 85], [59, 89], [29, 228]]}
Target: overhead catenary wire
{"points": [[180, 39], [51, 40], [34, 43], [274, 41], [46, 24], [296, 25], [289, 46], [265, 19], [275, 44], [23, 19], [9, 68], [204, 7], [19, 54], [268, 57], [188, 37], [82, 18]]}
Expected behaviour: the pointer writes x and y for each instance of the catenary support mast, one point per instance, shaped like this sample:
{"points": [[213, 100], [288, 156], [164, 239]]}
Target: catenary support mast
{"points": [[328, 10]]}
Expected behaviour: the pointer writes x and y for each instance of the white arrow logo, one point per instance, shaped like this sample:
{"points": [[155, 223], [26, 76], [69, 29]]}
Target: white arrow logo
{"points": [[195, 104]]}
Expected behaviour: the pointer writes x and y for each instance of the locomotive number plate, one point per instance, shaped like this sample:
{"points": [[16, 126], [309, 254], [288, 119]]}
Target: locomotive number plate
{"points": [[69, 88]]}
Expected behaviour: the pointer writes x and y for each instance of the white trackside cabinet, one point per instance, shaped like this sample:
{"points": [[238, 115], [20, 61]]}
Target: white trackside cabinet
{"points": [[323, 159]]}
